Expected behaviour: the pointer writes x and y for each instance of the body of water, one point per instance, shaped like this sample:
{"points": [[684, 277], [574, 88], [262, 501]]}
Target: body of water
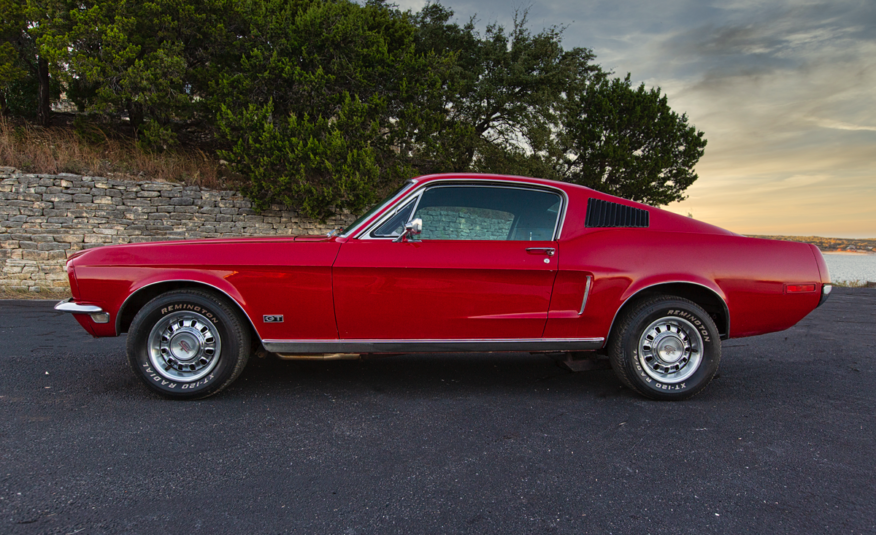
{"points": [[851, 267]]}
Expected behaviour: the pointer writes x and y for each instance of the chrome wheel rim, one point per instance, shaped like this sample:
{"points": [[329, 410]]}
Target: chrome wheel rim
{"points": [[184, 346], [670, 350]]}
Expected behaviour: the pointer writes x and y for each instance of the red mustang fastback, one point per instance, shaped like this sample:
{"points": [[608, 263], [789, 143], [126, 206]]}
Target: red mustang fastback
{"points": [[485, 263]]}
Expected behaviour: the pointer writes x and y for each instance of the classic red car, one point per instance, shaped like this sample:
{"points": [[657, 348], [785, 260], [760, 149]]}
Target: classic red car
{"points": [[485, 263]]}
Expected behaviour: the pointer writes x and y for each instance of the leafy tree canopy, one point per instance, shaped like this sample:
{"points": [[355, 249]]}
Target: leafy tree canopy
{"points": [[506, 85], [327, 103], [628, 142], [25, 87], [12, 24], [323, 105]]}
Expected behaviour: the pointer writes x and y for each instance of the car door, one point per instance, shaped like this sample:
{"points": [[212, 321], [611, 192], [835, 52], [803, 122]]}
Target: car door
{"points": [[483, 267]]}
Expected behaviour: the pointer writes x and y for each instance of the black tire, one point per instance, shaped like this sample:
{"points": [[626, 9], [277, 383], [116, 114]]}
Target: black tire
{"points": [[670, 328], [205, 353]]}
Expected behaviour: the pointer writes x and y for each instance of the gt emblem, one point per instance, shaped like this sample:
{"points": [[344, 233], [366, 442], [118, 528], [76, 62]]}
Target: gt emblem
{"points": [[275, 318]]}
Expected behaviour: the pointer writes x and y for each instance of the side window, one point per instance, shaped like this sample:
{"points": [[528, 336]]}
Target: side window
{"points": [[396, 224], [487, 213]]}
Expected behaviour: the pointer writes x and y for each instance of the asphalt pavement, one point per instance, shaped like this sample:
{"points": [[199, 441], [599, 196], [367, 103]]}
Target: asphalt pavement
{"points": [[782, 441]]}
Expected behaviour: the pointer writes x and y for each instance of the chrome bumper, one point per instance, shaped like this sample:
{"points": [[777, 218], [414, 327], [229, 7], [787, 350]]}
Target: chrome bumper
{"points": [[97, 314], [825, 293], [67, 306]]}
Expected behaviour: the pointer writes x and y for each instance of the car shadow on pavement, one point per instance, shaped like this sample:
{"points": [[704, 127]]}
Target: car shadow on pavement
{"points": [[427, 374]]}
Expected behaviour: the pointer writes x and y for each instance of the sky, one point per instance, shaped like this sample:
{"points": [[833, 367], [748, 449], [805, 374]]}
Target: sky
{"points": [[784, 90]]}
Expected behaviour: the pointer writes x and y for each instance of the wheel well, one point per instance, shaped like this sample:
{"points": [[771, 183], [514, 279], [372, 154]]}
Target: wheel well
{"points": [[706, 298], [142, 296]]}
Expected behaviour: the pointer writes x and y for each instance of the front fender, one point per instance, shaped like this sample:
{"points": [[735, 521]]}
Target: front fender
{"points": [[112, 287], [212, 280]]}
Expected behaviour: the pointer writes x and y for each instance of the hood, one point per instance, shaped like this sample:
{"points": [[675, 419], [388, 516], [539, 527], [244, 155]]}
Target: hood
{"points": [[230, 250]]}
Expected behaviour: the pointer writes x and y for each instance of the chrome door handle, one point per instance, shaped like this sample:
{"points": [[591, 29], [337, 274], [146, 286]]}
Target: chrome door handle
{"points": [[549, 251]]}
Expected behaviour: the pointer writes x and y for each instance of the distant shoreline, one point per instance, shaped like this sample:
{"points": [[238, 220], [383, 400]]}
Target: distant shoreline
{"points": [[831, 245]]}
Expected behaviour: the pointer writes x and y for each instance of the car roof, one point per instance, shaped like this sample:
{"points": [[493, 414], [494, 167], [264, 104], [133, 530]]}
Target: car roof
{"points": [[565, 186], [573, 222]]}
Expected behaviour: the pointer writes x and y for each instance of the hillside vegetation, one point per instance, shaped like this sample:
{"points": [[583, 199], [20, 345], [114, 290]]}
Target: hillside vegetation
{"points": [[831, 244], [325, 105]]}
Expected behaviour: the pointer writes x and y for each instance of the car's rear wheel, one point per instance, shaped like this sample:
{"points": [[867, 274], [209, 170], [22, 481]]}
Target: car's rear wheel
{"points": [[665, 348], [188, 344]]}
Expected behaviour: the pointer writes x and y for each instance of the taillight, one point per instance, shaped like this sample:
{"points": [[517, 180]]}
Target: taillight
{"points": [[799, 288]]}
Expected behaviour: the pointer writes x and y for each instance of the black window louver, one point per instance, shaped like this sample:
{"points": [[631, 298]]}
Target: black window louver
{"points": [[604, 214]]}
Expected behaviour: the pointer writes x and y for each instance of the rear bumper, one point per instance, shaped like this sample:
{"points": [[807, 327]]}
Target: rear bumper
{"points": [[825, 293]]}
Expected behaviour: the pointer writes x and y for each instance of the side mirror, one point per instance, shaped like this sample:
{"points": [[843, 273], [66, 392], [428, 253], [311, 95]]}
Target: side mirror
{"points": [[413, 229]]}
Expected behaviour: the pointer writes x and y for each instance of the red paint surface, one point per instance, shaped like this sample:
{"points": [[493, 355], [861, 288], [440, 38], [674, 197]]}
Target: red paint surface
{"points": [[442, 289], [263, 275], [376, 289]]}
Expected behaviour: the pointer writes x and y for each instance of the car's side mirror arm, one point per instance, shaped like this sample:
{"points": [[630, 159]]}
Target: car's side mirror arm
{"points": [[412, 231]]}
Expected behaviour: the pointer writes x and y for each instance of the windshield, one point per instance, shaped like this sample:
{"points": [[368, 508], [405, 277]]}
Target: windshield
{"points": [[364, 217]]}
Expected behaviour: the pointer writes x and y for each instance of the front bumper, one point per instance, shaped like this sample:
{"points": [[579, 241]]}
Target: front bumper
{"points": [[97, 314]]}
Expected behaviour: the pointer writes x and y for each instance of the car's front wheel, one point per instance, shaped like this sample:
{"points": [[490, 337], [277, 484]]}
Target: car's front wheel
{"points": [[665, 348], [188, 344]]}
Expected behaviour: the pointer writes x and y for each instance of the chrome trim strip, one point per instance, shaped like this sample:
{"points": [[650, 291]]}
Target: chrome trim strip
{"points": [[586, 293], [233, 300], [432, 346], [561, 217], [483, 182], [726, 308], [68, 306]]}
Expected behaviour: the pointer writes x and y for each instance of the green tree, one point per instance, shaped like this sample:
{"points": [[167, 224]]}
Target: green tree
{"points": [[312, 164], [12, 24], [507, 86], [146, 60], [309, 80], [325, 104], [26, 85], [534, 108], [628, 142]]}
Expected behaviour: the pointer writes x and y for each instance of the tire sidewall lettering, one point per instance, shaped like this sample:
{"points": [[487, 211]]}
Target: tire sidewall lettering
{"points": [[639, 371], [651, 382], [696, 321], [202, 382], [159, 379], [176, 307]]}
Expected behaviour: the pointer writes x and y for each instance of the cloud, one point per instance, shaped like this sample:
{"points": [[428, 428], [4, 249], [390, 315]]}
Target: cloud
{"points": [[783, 90], [785, 96], [839, 125]]}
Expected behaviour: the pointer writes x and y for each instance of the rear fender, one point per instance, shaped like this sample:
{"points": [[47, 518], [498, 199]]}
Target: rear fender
{"points": [[703, 292]]}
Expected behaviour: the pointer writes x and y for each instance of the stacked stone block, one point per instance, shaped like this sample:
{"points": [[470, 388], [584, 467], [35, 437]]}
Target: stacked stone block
{"points": [[465, 223], [46, 218]]}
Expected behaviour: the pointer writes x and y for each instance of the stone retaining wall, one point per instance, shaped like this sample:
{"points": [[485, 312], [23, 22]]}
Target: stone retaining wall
{"points": [[45, 218], [465, 224]]}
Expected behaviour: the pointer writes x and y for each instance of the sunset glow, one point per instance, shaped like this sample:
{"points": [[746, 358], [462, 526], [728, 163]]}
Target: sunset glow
{"points": [[785, 93]]}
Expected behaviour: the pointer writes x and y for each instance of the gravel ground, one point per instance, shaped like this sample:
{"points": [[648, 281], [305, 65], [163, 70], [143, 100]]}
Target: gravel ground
{"points": [[781, 442]]}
